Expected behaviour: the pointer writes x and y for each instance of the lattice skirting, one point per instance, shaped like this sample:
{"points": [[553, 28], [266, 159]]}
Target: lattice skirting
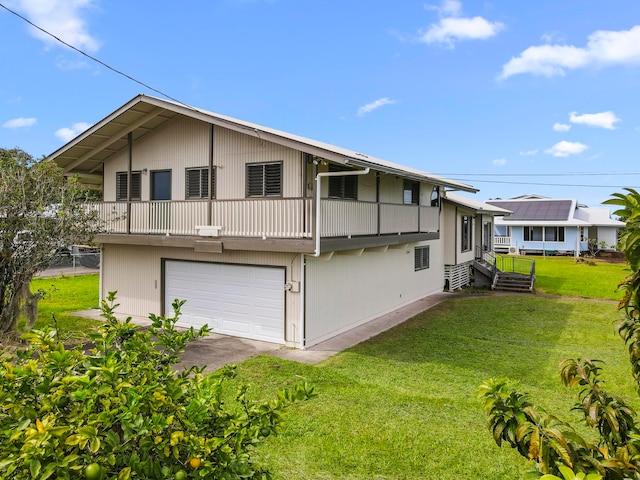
{"points": [[458, 276]]}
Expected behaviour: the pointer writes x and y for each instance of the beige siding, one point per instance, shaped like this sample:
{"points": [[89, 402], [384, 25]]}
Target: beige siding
{"points": [[449, 227], [136, 273], [180, 143], [185, 142], [367, 187], [426, 189], [390, 189], [347, 290], [233, 151], [452, 234], [118, 162]]}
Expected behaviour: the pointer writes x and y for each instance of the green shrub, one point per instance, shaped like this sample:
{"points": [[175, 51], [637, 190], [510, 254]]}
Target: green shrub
{"points": [[120, 410]]}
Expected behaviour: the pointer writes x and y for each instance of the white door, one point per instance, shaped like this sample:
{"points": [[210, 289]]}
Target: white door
{"points": [[239, 300]]}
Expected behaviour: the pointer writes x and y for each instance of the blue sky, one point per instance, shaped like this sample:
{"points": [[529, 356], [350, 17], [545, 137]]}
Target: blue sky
{"points": [[512, 97]]}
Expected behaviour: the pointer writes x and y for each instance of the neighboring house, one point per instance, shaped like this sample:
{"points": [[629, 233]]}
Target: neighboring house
{"points": [[468, 228], [265, 234], [543, 225]]}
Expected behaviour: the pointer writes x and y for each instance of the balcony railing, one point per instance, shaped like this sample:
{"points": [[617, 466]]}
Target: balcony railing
{"points": [[273, 218], [501, 241]]}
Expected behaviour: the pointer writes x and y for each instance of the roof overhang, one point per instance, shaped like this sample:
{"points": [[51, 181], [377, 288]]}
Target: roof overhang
{"points": [[475, 205], [85, 154]]}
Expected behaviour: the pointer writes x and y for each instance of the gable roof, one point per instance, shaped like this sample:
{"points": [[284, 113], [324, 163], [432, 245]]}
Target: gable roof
{"points": [[85, 154]]}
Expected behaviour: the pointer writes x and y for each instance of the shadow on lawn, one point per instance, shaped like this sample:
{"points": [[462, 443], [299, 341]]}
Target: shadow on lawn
{"points": [[493, 336]]}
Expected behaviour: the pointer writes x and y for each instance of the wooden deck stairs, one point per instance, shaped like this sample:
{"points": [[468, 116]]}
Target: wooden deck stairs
{"points": [[513, 282], [503, 271]]}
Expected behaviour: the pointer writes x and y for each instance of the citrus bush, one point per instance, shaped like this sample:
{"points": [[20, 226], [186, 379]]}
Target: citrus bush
{"points": [[121, 410]]}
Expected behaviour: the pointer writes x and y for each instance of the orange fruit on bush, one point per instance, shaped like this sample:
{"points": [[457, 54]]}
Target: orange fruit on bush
{"points": [[93, 471], [194, 462]]}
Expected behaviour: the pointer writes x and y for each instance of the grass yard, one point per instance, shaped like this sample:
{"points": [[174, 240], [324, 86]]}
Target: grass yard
{"points": [[589, 279], [403, 405], [65, 295]]}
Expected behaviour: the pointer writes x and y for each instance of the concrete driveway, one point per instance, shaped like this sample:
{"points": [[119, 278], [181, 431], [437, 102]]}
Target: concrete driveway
{"points": [[215, 350]]}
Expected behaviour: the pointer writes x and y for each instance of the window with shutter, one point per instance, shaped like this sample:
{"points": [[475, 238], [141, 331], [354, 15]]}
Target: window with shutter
{"points": [[343, 186], [264, 179], [122, 184], [122, 191], [421, 257], [197, 183], [136, 186]]}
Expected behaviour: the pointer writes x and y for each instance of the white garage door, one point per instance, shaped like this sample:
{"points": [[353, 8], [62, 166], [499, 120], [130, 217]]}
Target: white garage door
{"points": [[239, 300]]}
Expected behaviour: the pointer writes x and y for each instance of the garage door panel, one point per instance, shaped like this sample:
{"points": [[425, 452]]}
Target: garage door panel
{"points": [[240, 300]]}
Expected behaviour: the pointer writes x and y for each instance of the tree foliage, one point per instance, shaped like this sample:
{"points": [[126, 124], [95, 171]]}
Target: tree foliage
{"points": [[122, 410], [41, 212], [557, 450]]}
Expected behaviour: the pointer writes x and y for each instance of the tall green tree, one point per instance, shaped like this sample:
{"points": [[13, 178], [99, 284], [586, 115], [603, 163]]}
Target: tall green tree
{"points": [[555, 446], [41, 211]]}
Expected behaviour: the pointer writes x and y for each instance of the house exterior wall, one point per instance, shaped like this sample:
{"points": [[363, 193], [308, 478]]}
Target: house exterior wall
{"points": [[571, 240], [452, 217], [349, 290], [136, 273], [233, 151], [448, 226], [608, 235], [390, 189], [185, 142]]}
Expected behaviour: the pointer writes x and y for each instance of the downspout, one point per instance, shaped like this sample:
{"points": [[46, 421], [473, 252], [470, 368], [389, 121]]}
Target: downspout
{"points": [[210, 183], [319, 176], [129, 166]]}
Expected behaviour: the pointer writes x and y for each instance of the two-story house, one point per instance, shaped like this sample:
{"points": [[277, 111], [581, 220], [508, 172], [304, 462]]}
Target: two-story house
{"points": [[265, 234]]}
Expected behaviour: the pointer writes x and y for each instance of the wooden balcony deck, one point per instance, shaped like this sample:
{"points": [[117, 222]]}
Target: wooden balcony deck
{"points": [[292, 218]]}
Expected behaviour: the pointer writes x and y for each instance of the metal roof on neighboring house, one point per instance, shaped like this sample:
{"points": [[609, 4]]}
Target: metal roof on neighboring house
{"points": [[532, 210], [85, 154]]}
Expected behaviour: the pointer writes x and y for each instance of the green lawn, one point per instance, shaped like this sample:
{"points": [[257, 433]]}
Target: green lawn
{"points": [[403, 404], [589, 278], [64, 295]]}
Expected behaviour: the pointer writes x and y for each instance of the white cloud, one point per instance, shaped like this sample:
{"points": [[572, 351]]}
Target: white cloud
{"points": [[369, 107], [452, 26], [67, 134], [561, 127], [565, 149], [604, 48], [551, 37], [62, 18], [67, 65], [499, 162], [603, 119], [529, 152], [19, 122]]}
